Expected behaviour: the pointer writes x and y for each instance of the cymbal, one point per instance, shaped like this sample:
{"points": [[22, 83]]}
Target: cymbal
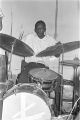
{"points": [[71, 46], [20, 48], [75, 62], [59, 48]]}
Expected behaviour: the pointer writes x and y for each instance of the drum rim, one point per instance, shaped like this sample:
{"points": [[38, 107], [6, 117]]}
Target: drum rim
{"points": [[31, 84], [14, 90], [57, 75]]}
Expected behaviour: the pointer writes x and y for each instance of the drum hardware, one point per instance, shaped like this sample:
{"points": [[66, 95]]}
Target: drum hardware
{"points": [[12, 90], [35, 88], [38, 99], [60, 117], [2, 85], [62, 50], [38, 81], [3, 89], [39, 85], [74, 63], [12, 49], [3, 78], [35, 91], [1, 107], [15, 91], [71, 113], [9, 84]]}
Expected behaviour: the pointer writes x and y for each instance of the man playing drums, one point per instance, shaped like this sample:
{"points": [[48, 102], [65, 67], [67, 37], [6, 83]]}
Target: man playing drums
{"points": [[38, 41]]}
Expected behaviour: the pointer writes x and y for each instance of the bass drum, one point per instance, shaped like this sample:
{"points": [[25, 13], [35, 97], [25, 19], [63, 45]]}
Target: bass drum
{"points": [[26, 102]]}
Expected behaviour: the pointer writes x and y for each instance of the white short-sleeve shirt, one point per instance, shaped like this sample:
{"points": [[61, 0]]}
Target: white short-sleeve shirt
{"points": [[38, 45]]}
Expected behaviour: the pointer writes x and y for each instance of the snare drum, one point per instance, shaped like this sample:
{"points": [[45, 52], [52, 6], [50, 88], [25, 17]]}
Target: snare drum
{"points": [[26, 102], [45, 77]]}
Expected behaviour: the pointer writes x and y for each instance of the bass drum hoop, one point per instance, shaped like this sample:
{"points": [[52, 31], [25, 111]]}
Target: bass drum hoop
{"points": [[29, 88]]}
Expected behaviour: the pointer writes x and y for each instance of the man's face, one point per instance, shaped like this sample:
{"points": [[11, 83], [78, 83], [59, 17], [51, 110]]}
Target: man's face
{"points": [[40, 29]]}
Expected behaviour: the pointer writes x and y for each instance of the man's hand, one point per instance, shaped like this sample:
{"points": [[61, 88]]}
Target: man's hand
{"points": [[57, 55], [59, 49], [59, 43]]}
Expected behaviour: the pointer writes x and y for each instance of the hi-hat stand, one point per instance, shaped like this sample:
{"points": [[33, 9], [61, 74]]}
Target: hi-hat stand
{"points": [[75, 63]]}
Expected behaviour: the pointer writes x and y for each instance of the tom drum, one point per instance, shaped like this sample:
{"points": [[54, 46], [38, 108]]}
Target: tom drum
{"points": [[45, 77]]}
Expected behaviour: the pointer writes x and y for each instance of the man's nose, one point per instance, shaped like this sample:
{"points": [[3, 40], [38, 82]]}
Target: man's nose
{"points": [[41, 30]]}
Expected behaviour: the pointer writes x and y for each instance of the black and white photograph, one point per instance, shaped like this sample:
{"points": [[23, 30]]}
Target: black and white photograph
{"points": [[39, 60]]}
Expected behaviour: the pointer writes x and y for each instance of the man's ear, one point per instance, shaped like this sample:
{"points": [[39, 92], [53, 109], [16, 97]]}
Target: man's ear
{"points": [[34, 30], [45, 29]]}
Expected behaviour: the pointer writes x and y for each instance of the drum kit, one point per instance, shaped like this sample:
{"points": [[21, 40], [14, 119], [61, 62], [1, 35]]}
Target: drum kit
{"points": [[29, 101]]}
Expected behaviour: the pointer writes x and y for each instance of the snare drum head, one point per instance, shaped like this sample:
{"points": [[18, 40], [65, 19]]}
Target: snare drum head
{"points": [[43, 73], [25, 106]]}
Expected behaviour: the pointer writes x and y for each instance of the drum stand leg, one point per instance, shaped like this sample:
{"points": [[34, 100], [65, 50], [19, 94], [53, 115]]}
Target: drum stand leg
{"points": [[3, 77], [1, 106], [76, 86], [61, 83], [57, 97]]}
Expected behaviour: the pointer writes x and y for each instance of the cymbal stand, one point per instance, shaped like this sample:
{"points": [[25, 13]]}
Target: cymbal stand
{"points": [[1, 108], [61, 94], [59, 65], [76, 84], [74, 107], [11, 58]]}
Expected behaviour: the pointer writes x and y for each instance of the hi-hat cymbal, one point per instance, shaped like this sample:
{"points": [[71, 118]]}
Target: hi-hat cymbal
{"points": [[59, 48], [75, 62], [20, 48]]}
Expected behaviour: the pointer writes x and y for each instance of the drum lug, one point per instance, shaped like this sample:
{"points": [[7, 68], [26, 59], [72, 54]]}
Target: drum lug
{"points": [[35, 91], [39, 85], [14, 91], [19, 84]]}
